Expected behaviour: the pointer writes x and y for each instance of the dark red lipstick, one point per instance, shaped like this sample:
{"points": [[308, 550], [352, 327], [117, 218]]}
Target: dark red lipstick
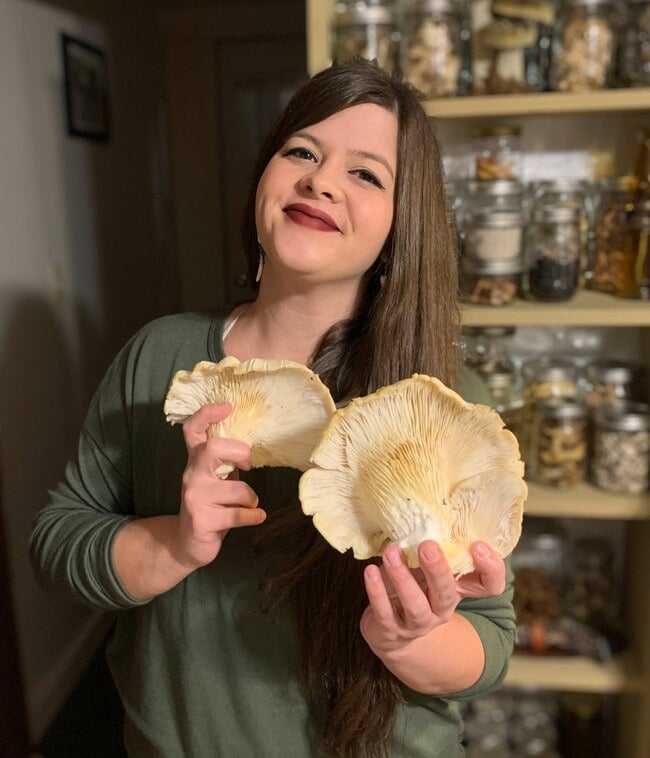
{"points": [[305, 215]]}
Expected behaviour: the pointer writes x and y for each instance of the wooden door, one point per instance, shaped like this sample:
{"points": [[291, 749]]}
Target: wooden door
{"points": [[228, 74]]}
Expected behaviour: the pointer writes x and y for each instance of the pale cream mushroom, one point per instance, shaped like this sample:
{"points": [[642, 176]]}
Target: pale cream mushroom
{"points": [[280, 408], [411, 462]]}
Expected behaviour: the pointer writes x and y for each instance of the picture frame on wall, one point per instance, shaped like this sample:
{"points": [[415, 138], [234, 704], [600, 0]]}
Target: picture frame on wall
{"points": [[86, 89]]}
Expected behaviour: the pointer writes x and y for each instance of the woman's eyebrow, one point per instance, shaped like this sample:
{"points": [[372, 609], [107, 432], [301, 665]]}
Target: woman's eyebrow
{"points": [[360, 153]]}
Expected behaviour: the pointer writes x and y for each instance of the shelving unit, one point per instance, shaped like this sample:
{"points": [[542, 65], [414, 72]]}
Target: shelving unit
{"points": [[626, 676]]}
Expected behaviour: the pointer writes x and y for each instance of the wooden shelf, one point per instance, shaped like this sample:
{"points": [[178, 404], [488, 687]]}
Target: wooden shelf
{"points": [[586, 501], [586, 308], [575, 674], [637, 99]]}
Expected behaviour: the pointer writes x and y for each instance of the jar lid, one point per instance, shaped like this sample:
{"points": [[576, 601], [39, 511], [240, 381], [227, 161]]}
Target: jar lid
{"points": [[502, 130], [618, 183], [497, 219], [494, 268], [499, 379], [560, 407], [433, 6], [589, 2], [611, 372], [565, 183], [360, 15], [557, 214], [497, 187], [488, 331], [623, 416], [550, 370]]}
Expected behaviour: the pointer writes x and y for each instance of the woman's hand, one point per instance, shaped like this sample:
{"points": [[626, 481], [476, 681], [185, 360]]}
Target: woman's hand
{"points": [[406, 604], [210, 506]]}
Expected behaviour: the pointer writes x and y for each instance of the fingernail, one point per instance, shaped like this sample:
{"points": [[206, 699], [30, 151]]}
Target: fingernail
{"points": [[393, 557], [482, 550], [431, 553]]}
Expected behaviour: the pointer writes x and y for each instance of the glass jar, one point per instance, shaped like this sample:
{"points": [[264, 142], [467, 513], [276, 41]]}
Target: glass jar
{"points": [[635, 246], [635, 53], [621, 448], [541, 563], [544, 378], [435, 47], [489, 282], [592, 588], [559, 443], [552, 255], [608, 270], [518, 45], [567, 192], [584, 46], [366, 30], [610, 381], [498, 195], [493, 235], [486, 348], [497, 153]]}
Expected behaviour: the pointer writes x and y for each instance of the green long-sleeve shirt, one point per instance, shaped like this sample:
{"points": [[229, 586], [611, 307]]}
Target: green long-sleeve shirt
{"points": [[201, 670]]}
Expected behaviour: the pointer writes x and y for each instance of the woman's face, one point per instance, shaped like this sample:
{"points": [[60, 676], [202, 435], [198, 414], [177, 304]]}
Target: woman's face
{"points": [[324, 204]]}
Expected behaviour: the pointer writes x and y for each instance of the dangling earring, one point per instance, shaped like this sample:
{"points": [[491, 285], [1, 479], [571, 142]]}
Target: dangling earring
{"points": [[382, 280], [261, 257], [384, 274]]}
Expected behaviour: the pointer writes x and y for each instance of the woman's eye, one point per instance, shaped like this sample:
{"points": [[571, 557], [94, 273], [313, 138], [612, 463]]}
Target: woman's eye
{"points": [[368, 176], [300, 152]]}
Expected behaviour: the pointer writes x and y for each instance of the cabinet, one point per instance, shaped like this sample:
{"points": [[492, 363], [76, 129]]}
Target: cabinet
{"points": [[599, 118]]}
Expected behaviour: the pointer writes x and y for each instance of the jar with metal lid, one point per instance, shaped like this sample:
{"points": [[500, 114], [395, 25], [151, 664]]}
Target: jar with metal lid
{"points": [[552, 255], [593, 594], [637, 239], [542, 564], [518, 44], [497, 153], [567, 192], [558, 452], [489, 282], [366, 29], [435, 47], [493, 235], [635, 52], [608, 270], [584, 46], [498, 195], [610, 381], [544, 378], [486, 348], [621, 448]]}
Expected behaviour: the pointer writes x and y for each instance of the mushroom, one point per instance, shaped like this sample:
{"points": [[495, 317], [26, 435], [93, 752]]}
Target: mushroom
{"points": [[411, 462], [280, 408]]}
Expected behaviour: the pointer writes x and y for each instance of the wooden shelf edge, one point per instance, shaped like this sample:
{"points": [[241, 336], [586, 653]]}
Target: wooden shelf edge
{"points": [[586, 501], [586, 308], [481, 106], [575, 674]]}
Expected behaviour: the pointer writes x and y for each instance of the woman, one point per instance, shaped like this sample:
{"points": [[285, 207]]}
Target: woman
{"points": [[237, 639]]}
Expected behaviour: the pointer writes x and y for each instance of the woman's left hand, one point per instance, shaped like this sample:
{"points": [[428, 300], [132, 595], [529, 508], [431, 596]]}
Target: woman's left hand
{"points": [[406, 604]]}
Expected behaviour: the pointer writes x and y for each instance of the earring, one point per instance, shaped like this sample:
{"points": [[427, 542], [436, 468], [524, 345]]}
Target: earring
{"points": [[261, 257], [382, 280]]}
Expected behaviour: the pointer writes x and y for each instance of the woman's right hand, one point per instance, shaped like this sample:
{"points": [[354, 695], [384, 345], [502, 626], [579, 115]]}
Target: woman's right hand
{"points": [[210, 506]]}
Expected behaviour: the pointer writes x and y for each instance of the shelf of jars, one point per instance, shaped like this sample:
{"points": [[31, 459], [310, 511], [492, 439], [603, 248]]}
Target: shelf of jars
{"points": [[585, 308], [486, 106], [620, 674], [587, 502]]}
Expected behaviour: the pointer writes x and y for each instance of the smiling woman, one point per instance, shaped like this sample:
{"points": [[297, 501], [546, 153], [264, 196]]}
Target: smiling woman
{"points": [[238, 637]]}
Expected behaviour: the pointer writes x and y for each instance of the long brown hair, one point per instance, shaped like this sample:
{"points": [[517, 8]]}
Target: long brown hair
{"points": [[408, 325]]}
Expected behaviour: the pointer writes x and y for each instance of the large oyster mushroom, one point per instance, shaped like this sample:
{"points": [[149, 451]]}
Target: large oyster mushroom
{"points": [[414, 461], [280, 408]]}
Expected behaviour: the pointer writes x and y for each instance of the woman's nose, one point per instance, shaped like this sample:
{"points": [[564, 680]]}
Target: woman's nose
{"points": [[321, 183]]}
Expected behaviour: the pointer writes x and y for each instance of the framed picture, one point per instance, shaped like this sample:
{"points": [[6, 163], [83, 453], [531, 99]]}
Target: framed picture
{"points": [[86, 89]]}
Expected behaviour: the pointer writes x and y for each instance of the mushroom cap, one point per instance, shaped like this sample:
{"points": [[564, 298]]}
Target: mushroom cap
{"points": [[414, 461], [280, 408]]}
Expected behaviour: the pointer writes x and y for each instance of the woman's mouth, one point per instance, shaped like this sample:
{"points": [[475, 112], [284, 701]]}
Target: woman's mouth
{"points": [[312, 218]]}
